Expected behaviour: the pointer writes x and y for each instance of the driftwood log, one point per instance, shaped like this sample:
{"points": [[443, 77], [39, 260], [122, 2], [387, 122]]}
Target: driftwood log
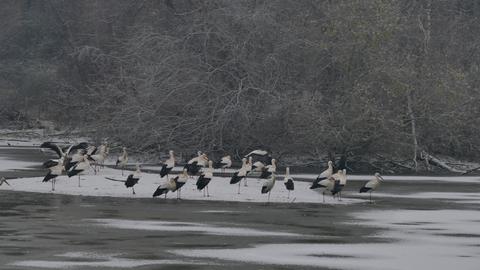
{"points": [[431, 160], [471, 170]]}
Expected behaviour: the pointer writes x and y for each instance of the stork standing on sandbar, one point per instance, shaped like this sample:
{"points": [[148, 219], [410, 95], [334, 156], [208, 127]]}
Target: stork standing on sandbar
{"points": [[340, 182], [260, 159], [56, 168], [98, 157], [122, 160], [268, 186], [371, 185], [168, 165], [164, 188], [194, 165], [269, 170], [133, 179], [326, 185], [288, 181], [249, 167], [180, 180], [205, 178], [79, 168], [226, 162], [240, 174], [324, 175]]}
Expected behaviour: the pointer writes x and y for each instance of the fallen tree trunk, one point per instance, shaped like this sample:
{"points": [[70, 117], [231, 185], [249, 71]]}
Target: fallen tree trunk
{"points": [[471, 170], [436, 162]]}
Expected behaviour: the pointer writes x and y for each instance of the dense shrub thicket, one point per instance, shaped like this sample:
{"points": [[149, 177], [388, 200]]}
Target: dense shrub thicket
{"points": [[381, 77]]}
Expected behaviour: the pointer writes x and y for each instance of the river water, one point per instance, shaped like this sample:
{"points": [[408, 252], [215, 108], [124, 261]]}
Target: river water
{"points": [[428, 224]]}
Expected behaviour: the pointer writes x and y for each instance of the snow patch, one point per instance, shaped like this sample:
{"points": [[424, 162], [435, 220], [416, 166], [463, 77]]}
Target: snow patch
{"points": [[219, 189]]}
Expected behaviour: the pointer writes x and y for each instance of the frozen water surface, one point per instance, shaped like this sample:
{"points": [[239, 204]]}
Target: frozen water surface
{"points": [[80, 260], [231, 230], [424, 222], [435, 239]]}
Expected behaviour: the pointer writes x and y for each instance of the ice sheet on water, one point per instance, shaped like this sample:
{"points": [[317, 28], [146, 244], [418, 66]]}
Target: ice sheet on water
{"points": [[431, 222], [350, 256], [10, 165], [89, 259], [411, 239], [220, 211], [459, 197], [169, 226], [403, 178]]}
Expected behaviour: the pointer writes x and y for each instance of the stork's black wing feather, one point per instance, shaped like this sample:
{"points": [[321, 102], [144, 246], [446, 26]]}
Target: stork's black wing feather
{"points": [[131, 181], [192, 169], [202, 182], [50, 163], [116, 180], [265, 159], [48, 177], [92, 150], [289, 184], [265, 174], [72, 148], [342, 163], [52, 147], [159, 191]]}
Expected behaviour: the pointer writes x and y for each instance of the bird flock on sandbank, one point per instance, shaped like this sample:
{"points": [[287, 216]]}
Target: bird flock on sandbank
{"points": [[77, 159]]}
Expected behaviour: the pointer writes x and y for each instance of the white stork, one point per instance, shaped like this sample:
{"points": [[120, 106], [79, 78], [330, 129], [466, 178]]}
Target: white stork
{"points": [[79, 168], [164, 188], [65, 151], [340, 182], [194, 165], [269, 170], [180, 181], [249, 167], [288, 181], [260, 159], [258, 166], [98, 157], [257, 152], [122, 160], [55, 168], [240, 174], [74, 158], [133, 179], [326, 185], [205, 178], [268, 185], [371, 185], [226, 162], [168, 165], [324, 175]]}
